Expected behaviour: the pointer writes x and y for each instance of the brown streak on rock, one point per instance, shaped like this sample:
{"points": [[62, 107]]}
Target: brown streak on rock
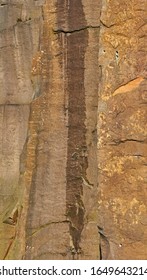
{"points": [[76, 168]]}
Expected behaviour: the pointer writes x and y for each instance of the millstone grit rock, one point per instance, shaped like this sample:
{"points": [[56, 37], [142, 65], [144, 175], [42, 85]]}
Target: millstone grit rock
{"points": [[73, 129]]}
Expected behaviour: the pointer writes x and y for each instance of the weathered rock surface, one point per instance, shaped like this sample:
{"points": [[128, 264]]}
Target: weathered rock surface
{"points": [[73, 135], [122, 131]]}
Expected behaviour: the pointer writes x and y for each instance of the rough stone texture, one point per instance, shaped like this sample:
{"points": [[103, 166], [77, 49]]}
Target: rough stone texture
{"points": [[57, 191], [122, 130], [73, 129], [19, 40]]}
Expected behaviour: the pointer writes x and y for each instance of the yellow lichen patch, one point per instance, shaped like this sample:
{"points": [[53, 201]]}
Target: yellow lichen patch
{"points": [[36, 63], [134, 209], [135, 120], [116, 165], [100, 127]]}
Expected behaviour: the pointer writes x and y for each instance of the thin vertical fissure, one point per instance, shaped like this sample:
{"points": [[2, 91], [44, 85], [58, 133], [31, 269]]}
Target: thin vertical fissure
{"points": [[100, 77], [100, 251]]}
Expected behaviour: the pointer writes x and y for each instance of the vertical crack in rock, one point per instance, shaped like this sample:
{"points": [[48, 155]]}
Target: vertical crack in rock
{"points": [[104, 246]]}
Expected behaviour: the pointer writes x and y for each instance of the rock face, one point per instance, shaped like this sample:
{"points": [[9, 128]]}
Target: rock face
{"points": [[122, 131], [73, 135]]}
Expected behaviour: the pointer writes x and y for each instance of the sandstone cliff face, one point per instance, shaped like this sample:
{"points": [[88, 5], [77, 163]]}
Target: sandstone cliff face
{"points": [[73, 129], [122, 130]]}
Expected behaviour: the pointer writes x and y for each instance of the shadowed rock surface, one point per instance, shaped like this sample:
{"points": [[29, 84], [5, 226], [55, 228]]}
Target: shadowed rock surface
{"points": [[73, 129]]}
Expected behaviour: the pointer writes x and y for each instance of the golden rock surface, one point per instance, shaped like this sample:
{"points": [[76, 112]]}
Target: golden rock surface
{"points": [[73, 129]]}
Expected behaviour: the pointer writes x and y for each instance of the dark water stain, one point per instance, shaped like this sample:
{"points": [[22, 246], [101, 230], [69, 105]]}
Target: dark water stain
{"points": [[76, 44]]}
